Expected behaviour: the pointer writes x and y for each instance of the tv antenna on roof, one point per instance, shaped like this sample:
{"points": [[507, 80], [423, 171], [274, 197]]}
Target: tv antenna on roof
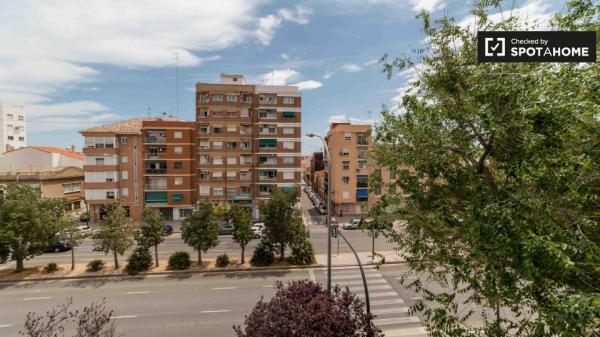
{"points": [[177, 88]]}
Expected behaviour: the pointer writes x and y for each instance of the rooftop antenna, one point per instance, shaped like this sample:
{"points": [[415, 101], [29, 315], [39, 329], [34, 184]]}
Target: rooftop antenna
{"points": [[369, 112], [347, 117], [177, 67], [149, 112]]}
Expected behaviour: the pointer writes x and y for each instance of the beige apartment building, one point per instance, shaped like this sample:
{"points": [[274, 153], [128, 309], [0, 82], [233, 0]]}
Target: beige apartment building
{"points": [[248, 140], [143, 162], [351, 166]]}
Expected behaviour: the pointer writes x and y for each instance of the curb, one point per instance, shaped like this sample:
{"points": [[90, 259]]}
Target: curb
{"points": [[191, 272]]}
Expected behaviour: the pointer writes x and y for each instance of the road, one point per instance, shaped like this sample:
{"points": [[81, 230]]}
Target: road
{"points": [[200, 304], [313, 220]]}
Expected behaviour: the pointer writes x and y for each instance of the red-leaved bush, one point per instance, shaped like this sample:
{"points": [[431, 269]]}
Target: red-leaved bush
{"points": [[305, 309]]}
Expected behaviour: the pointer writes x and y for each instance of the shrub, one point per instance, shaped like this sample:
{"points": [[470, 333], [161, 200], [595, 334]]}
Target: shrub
{"points": [[95, 265], [179, 261], [263, 254], [222, 260], [84, 217], [140, 260], [302, 253], [51, 267]]}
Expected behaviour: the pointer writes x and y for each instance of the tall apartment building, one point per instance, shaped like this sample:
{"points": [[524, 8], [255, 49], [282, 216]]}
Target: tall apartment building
{"points": [[248, 140], [143, 162], [13, 128], [351, 166]]}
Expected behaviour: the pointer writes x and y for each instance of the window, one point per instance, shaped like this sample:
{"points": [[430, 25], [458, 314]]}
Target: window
{"points": [[123, 140], [248, 99], [203, 145], [125, 191], [217, 175], [267, 114], [204, 190], [245, 113], [288, 175], [231, 160], [362, 164], [288, 131], [203, 130], [289, 100], [267, 99], [265, 189], [346, 165], [345, 195], [72, 188], [10, 127], [99, 161], [178, 149], [245, 160], [361, 139], [204, 98], [268, 128], [9, 117], [362, 154], [204, 160], [217, 114], [10, 137], [217, 145], [231, 145], [347, 136], [244, 145], [288, 145], [218, 129], [124, 159], [288, 114], [203, 114], [346, 180], [217, 161], [344, 152], [217, 98], [289, 160], [392, 175], [110, 194], [231, 190], [231, 175], [178, 181], [231, 98], [217, 191], [124, 175], [267, 174], [21, 118], [362, 181], [178, 134], [184, 213], [203, 175], [231, 129], [178, 165], [244, 175], [22, 139], [232, 114]]}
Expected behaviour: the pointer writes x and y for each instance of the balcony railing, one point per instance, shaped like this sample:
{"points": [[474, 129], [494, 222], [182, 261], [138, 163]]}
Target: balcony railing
{"points": [[156, 139], [155, 187], [156, 171], [155, 155]]}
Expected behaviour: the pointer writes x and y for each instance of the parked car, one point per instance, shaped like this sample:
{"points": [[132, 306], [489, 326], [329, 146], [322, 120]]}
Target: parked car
{"points": [[225, 229], [168, 229], [60, 246], [352, 224], [322, 209], [84, 229], [258, 230]]}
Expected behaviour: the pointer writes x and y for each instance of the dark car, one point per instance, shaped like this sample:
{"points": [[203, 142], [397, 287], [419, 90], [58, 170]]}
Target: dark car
{"points": [[225, 229], [57, 247], [168, 229]]}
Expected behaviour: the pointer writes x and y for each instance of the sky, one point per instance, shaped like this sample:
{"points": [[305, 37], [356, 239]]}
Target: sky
{"points": [[76, 64]]}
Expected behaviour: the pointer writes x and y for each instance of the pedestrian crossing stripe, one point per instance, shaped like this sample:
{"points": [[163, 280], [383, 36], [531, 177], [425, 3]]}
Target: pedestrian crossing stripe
{"points": [[396, 320], [412, 332]]}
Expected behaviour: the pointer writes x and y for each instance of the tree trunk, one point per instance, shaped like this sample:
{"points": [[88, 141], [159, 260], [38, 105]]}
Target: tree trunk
{"points": [[116, 260], [200, 257], [156, 254], [19, 265], [373, 245], [243, 249], [281, 252], [73, 258]]}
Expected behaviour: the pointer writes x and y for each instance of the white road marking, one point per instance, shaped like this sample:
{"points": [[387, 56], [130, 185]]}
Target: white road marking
{"points": [[377, 287], [359, 282], [5, 325], [124, 316], [416, 298], [405, 332], [225, 288], [36, 298], [396, 320], [268, 286], [311, 274], [386, 302], [399, 310], [138, 292], [384, 294], [354, 276], [221, 250], [213, 311]]}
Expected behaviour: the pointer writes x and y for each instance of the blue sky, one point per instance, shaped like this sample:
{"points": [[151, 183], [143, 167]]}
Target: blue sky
{"points": [[75, 64]]}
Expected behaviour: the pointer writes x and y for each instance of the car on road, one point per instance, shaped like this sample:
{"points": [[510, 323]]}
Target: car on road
{"points": [[258, 230], [168, 229], [57, 247], [225, 229], [84, 229], [352, 224], [322, 209]]}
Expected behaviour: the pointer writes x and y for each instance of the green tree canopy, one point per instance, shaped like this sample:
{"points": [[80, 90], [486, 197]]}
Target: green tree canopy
{"points": [[116, 232], [151, 232], [498, 164], [241, 219], [28, 223], [199, 230]]}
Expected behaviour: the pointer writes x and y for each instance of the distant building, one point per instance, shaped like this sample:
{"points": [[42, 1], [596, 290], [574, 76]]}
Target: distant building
{"points": [[53, 182], [143, 162], [13, 127], [40, 156]]}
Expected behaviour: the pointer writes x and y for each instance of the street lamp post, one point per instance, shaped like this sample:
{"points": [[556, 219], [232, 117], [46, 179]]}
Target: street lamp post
{"points": [[328, 220]]}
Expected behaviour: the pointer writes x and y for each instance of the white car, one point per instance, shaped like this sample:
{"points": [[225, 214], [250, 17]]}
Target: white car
{"points": [[84, 229], [352, 224], [258, 229]]}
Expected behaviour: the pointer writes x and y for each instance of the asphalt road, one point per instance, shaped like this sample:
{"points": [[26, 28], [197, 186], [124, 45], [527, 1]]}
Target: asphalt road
{"points": [[313, 220], [199, 304]]}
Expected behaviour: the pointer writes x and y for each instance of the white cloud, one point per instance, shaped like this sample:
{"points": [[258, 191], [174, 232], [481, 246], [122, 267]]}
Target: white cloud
{"points": [[425, 5], [279, 77], [284, 56], [350, 68], [532, 11], [328, 75], [70, 115], [308, 85], [371, 62], [267, 25], [409, 75]]}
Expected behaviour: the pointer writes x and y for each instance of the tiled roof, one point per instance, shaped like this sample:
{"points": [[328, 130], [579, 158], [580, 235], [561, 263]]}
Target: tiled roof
{"points": [[130, 126], [52, 149]]}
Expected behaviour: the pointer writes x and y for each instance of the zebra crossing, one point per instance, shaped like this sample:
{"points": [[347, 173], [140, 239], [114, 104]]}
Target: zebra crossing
{"points": [[391, 311]]}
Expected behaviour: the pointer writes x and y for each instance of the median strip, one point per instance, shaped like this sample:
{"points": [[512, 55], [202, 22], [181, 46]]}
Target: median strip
{"points": [[125, 316], [5, 325], [213, 311]]}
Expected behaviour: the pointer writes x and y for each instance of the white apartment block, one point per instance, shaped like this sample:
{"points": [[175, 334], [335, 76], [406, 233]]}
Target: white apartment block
{"points": [[13, 128]]}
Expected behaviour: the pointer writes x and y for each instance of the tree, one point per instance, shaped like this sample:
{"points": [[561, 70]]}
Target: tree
{"points": [[72, 235], [304, 308], [151, 232], [497, 178], [241, 219], [283, 222], [28, 223], [91, 321], [116, 232], [199, 230]]}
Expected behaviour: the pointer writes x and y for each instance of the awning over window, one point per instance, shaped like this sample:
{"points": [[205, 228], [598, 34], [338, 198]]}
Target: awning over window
{"points": [[288, 189], [267, 142], [362, 194], [177, 196], [289, 114], [155, 197]]}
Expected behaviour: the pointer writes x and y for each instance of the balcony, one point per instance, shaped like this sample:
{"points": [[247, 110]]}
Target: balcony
{"points": [[156, 171], [155, 187], [156, 140], [155, 197], [155, 156]]}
